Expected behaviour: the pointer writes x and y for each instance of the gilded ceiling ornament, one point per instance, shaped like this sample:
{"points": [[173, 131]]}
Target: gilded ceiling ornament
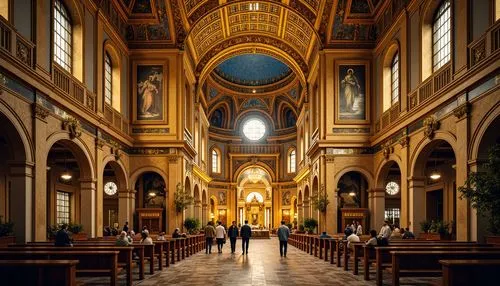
{"points": [[72, 125], [462, 110], [431, 124]]}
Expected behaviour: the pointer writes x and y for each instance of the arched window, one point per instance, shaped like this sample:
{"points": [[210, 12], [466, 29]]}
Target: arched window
{"points": [[395, 79], [291, 161], [215, 161], [441, 36], [108, 79], [63, 33]]}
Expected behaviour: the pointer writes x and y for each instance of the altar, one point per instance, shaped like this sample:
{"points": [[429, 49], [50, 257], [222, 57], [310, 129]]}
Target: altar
{"points": [[261, 233]]}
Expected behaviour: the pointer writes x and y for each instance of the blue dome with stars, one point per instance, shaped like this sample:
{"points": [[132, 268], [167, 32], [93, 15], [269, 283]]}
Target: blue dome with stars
{"points": [[252, 70]]}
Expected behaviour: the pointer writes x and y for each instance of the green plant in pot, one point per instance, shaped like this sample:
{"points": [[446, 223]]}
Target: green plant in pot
{"points": [[302, 228], [483, 189], [425, 226], [6, 227], [310, 225], [75, 228], [192, 225], [320, 201]]}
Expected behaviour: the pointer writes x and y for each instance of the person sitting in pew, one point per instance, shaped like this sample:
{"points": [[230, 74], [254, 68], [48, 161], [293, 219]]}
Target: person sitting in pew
{"points": [[396, 234], [146, 239], [373, 238], [408, 234], [324, 235], [176, 233], [62, 237], [161, 236], [352, 238], [122, 240]]}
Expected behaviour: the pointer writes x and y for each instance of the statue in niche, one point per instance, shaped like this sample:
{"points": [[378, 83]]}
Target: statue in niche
{"points": [[217, 119], [286, 199], [222, 198]]}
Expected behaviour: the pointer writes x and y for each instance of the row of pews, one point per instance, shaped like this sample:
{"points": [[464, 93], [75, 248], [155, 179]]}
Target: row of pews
{"points": [[458, 263], [42, 263]]}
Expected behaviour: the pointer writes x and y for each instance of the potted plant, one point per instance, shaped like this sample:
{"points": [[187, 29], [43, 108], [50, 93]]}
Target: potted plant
{"points": [[182, 199], [6, 232], [301, 229], [76, 231], [434, 230], [320, 201], [425, 226], [192, 225], [482, 189], [310, 225]]}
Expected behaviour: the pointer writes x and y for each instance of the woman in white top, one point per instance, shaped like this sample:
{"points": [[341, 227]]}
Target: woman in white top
{"points": [[145, 238], [220, 235], [359, 230]]}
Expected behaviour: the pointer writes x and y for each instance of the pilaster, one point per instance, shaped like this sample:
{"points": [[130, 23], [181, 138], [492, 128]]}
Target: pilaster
{"points": [[376, 198], [416, 192], [88, 206], [40, 115]]}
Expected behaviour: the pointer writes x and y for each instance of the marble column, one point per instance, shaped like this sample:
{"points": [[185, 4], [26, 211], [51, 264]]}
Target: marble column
{"points": [[132, 194], [21, 199], [376, 199], [204, 214], [416, 187], [123, 206], [40, 114], [88, 206]]}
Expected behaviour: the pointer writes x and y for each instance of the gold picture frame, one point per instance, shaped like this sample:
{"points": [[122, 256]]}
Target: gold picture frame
{"points": [[149, 92], [352, 92]]}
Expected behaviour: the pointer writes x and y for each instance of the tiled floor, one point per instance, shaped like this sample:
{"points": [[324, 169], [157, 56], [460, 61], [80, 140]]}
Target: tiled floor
{"points": [[262, 266]]}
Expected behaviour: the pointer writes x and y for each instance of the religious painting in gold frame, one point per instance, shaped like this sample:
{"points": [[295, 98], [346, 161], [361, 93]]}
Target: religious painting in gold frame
{"points": [[149, 92], [352, 92]]}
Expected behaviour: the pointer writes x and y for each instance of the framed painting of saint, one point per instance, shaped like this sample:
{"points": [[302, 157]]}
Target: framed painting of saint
{"points": [[149, 93], [352, 92]]}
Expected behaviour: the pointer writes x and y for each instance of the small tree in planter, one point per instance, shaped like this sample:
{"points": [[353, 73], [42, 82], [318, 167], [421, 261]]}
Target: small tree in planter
{"points": [[483, 190], [76, 231], [320, 201], [6, 232], [182, 199], [192, 225], [310, 225]]}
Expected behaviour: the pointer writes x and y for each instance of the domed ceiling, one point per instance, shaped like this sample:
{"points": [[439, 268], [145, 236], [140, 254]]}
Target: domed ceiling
{"points": [[252, 70]]}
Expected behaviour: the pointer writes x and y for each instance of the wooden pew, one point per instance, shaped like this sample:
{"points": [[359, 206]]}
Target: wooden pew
{"points": [[91, 263], [470, 272], [38, 272], [369, 252], [426, 263], [124, 255], [102, 245]]}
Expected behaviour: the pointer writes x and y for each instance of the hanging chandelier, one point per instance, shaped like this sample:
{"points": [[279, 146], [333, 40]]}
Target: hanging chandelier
{"points": [[254, 176]]}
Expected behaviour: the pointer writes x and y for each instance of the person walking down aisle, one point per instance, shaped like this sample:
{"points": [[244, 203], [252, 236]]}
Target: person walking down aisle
{"points": [[232, 232], [283, 234], [220, 234], [245, 233], [209, 236]]}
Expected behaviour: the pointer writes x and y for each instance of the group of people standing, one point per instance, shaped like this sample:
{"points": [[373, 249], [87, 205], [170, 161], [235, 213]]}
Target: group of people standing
{"points": [[245, 232]]}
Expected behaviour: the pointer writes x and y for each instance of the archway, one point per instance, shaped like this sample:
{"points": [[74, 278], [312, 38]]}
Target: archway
{"points": [[197, 203], [189, 212], [15, 180], [315, 193], [204, 208], [151, 197], [71, 193], [489, 138], [389, 180], [433, 186], [306, 204], [254, 183], [352, 193], [116, 206]]}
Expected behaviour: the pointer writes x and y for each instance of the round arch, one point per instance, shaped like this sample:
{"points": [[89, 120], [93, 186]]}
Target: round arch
{"points": [[196, 193], [383, 169], [22, 132], [138, 172], [368, 176], [424, 148], [79, 149], [118, 168], [204, 197], [249, 165], [242, 117], [491, 116], [299, 197]]}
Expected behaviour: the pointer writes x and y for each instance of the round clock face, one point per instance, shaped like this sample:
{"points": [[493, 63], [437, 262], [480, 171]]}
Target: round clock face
{"points": [[392, 188], [110, 188]]}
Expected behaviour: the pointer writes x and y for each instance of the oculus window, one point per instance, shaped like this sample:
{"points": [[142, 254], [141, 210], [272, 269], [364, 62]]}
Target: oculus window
{"points": [[62, 36], [254, 129], [441, 36]]}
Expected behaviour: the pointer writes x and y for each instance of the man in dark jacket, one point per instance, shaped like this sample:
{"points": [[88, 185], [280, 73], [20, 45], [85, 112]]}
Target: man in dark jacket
{"points": [[245, 233], [232, 232], [62, 237]]}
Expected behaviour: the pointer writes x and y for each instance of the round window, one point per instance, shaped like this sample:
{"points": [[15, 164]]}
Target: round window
{"points": [[254, 129], [392, 188]]}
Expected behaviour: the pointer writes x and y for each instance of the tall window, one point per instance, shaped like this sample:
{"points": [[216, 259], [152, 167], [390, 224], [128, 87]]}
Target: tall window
{"points": [[63, 207], [62, 36], [215, 162], [441, 36], [108, 80], [395, 79], [291, 162]]}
